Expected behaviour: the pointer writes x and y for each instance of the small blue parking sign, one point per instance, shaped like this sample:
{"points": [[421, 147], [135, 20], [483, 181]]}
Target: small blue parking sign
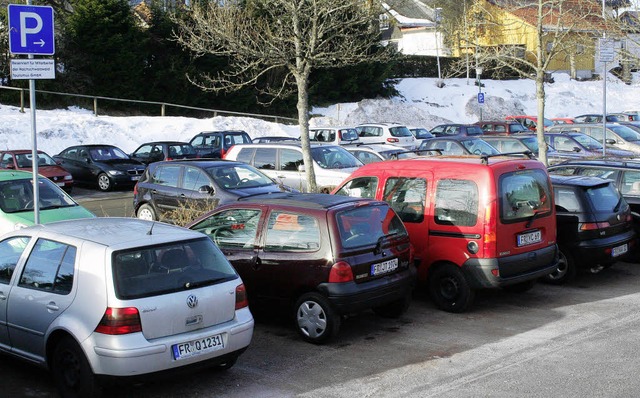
{"points": [[481, 98], [31, 30]]}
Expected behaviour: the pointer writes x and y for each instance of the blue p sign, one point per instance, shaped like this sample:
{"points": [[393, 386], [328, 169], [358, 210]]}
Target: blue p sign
{"points": [[31, 30], [481, 98]]}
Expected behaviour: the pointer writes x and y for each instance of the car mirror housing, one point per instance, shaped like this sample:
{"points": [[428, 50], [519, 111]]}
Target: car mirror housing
{"points": [[610, 141], [576, 149], [206, 189]]}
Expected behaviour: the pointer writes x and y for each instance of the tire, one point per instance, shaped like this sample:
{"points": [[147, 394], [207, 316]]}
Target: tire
{"points": [[146, 212], [71, 371], [566, 270], [449, 289], [394, 309], [520, 287], [104, 182], [315, 320], [228, 364]]}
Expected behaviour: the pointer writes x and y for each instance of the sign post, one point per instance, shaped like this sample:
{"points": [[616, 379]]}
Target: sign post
{"points": [[606, 54], [31, 33]]}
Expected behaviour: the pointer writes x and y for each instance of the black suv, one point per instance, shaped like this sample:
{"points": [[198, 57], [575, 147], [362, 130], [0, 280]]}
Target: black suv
{"points": [[594, 225], [198, 185], [215, 144]]}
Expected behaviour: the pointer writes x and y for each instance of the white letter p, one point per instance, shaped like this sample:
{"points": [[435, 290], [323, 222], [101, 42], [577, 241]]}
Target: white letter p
{"points": [[24, 31]]}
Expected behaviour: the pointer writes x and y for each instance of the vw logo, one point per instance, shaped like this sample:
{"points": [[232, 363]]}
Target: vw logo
{"points": [[192, 301]]}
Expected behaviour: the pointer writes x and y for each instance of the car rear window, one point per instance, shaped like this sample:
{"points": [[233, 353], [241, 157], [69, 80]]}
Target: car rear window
{"points": [[604, 198], [366, 225], [167, 268], [400, 131], [474, 130], [524, 194], [348, 134], [334, 157], [456, 203]]}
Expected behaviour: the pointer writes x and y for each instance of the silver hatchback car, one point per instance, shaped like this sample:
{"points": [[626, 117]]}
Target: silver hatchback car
{"points": [[118, 297]]}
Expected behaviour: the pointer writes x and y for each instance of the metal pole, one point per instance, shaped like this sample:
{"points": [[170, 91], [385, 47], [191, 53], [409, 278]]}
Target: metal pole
{"points": [[466, 37], [604, 93], [438, 17], [34, 147]]}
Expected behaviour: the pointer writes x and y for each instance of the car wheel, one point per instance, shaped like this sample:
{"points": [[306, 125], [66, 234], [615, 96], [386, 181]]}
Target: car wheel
{"points": [[394, 309], [228, 364], [449, 289], [315, 320], [104, 182], [565, 271], [71, 370], [146, 212]]}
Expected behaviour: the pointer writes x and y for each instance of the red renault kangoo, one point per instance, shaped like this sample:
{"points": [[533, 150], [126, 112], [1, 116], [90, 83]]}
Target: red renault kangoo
{"points": [[475, 222]]}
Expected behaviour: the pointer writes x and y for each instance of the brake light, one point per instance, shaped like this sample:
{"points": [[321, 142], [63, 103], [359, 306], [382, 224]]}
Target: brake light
{"points": [[393, 140], [223, 153], [168, 158], [241, 297], [489, 240], [340, 272], [590, 226], [135, 189], [117, 321]]}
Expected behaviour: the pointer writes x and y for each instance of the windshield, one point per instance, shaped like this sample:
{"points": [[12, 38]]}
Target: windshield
{"points": [[587, 141], [107, 153], [366, 225], [531, 143], [24, 160], [547, 122], [237, 176], [421, 133], [17, 196], [477, 146], [334, 157], [517, 127], [400, 131], [626, 133]]}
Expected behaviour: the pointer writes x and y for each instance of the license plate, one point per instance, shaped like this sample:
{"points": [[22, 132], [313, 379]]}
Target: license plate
{"points": [[384, 267], [620, 250], [529, 238], [60, 184], [197, 347], [135, 178]]}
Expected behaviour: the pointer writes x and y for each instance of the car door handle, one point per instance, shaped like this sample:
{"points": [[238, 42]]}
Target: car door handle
{"points": [[52, 306], [2, 296]]}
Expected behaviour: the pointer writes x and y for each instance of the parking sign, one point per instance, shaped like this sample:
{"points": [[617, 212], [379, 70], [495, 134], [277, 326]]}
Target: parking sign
{"points": [[31, 30], [481, 98]]}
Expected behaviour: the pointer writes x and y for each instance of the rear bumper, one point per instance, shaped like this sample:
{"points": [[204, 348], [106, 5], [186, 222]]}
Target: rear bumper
{"points": [[599, 251], [354, 297], [510, 270]]}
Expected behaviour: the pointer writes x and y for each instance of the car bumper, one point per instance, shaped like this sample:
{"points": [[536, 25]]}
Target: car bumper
{"points": [[509, 270], [125, 180], [354, 297], [600, 251], [133, 355]]}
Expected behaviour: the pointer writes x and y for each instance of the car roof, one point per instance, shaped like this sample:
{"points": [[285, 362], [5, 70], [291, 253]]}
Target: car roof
{"points": [[419, 162], [317, 201], [580, 181], [19, 151], [165, 143], [199, 162], [600, 162], [118, 232], [10, 175], [281, 144], [222, 131]]}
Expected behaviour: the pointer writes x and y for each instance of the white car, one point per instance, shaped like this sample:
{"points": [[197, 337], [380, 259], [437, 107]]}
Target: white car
{"points": [[333, 135], [118, 297], [387, 133]]}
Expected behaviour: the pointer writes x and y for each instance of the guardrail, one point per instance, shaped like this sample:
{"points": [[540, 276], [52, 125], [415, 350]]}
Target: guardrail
{"points": [[163, 105]]}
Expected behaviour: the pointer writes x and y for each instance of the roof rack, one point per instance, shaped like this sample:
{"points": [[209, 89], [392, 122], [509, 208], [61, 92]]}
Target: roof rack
{"points": [[485, 158]]}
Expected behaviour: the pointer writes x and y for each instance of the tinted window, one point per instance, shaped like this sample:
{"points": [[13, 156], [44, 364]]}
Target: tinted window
{"points": [[194, 178], [167, 268], [365, 225], [523, 194], [400, 131], [232, 228], [292, 232], [107, 153], [239, 176], [479, 147], [49, 267], [10, 251], [290, 159], [167, 175], [456, 203], [517, 128], [602, 173], [604, 198], [265, 158], [474, 130], [625, 133], [334, 157], [180, 150], [407, 197], [348, 134], [245, 155], [363, 187], [563, 171], [566, 200]]}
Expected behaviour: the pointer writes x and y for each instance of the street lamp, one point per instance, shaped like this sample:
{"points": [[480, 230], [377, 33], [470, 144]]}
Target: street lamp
{"points": [[479, 83], [438, 18]]}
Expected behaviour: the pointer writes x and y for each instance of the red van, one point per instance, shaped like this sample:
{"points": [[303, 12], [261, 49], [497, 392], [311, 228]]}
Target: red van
{"points": [[474, 222]]}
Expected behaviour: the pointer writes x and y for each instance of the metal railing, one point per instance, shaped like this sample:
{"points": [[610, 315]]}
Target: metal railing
{"points": [[163, 106]]}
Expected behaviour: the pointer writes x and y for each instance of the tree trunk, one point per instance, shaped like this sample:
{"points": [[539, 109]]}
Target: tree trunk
{"points": [[302, 82], [542, 145]]}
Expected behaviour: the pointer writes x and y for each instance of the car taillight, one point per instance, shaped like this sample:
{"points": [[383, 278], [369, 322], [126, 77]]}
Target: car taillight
{"points": [[223, 152], [590, 226], [120, 321], [340, 272], [393, 140], [489, 248], [135, 189], [241, 297], [168, 158]]}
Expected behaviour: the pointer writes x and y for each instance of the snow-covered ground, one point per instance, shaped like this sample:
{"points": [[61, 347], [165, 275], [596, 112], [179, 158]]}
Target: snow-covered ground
{"points": [[420, 103]]}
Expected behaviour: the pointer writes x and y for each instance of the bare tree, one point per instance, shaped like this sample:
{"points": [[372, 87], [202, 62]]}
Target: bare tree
{"points": [[291, 37], [559, 27]]}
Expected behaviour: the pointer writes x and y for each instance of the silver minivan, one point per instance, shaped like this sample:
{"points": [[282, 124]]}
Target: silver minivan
{"points": [[618, 135], [104, 297]]}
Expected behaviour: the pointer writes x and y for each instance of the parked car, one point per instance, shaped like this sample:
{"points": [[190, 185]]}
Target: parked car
{"points": [[334, 135], [262, 140], [378, 152], [22, 159], [618, 135], [530, 122], [16, 202], [625, 117], [198, 185], [566, 142], [594, 225], [458, 145], [392, 133], [501, 127], [283, 163], [562, 120], [118, 297], [163, 150], [594, 118], [319, 256], [215, 144], [474, 222], [446, 130], [106, 166], [527, 142], [420, 133]]}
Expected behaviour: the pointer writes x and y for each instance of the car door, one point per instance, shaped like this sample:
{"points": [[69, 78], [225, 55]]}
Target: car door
{"points": [[43, 291], [70, 160], [199, 188], [165, 190], [11, 250], [289, 161]]}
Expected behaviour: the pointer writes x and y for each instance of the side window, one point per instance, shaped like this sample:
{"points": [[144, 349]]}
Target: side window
{"points": [[566, 200], [167, 176], [602, 173], [198, 141], [366, 157], [265, 158], [246, 155], [143, 151], [292, 232], [290, 159], [194, 178], [500, 128], [595, 132], [7, 160], [10, 251], [564, 144], [49, 267], [363, 187], [407, 197], [631, 183], [234, 228], [456, 203], [564, 171], [377, 132]]}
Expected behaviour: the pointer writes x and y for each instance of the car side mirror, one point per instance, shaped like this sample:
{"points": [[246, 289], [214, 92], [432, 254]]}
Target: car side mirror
{"points": [[207, 189], [86, 160], [610, 141], [301, 168], [576, 149]]}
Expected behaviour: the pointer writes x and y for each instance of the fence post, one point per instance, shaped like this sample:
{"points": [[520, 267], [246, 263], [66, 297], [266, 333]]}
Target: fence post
{"points": [[162, 110], [22, 100], [95, 106]]}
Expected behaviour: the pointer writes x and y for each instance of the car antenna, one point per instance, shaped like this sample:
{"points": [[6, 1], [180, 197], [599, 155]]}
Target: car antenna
{"points": [[151, 229]]}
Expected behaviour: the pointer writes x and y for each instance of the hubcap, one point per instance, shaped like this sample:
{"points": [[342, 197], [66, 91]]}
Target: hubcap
{"points": [[103, 182], [561, 269], [449, 288], [145, 214], [312, 319], [70, 369]]}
